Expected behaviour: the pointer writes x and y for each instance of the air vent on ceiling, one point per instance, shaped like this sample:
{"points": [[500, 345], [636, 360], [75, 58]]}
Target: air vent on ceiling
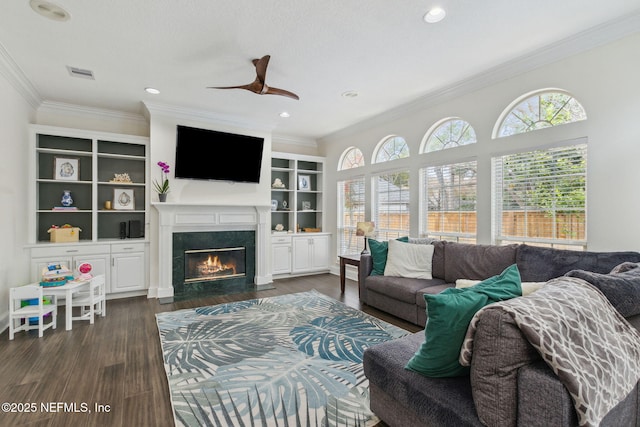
{"points": [[79, 72]]}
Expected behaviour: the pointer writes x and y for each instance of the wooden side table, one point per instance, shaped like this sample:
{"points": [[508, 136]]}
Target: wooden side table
{"points": [[353, 259]]}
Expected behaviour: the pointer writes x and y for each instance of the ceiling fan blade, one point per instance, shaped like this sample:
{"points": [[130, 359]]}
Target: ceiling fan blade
{"points": [[282, 92], [255, 87], [230, 87], [261, 67]]}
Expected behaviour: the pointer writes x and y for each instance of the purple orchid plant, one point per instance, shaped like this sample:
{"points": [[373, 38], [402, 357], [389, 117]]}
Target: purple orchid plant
{"points": [[162, 187]]}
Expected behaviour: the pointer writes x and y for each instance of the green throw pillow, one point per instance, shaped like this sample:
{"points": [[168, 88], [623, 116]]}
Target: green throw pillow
{"points": [[449, 314], [379, 251]]}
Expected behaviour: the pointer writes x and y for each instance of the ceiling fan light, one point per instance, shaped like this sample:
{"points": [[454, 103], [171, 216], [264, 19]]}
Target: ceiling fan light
{"points": [[434, 15]]}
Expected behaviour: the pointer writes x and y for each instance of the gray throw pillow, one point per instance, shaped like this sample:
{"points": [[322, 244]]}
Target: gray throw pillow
{"points": [[621, 289]]}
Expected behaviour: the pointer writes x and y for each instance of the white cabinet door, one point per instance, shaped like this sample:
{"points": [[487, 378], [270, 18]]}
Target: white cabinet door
{"points": [[320, 252], [128, 272], [281, 259], [310, 253], [301, 255]]}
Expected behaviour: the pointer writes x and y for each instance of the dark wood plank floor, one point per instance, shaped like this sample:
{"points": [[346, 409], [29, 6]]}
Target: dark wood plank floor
{"points": [[111, 373]]}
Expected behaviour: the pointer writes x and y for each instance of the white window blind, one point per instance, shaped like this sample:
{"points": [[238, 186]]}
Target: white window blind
{"points": [[448, 208], [540, 197], [351, 204], [391, 205]]}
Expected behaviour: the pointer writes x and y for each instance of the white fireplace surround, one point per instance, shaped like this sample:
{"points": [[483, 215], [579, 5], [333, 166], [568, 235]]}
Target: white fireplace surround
{"points": [[187, 217]]}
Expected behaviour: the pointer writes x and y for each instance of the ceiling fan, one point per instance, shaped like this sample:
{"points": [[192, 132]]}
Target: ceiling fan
{"points": [[259, 85]]}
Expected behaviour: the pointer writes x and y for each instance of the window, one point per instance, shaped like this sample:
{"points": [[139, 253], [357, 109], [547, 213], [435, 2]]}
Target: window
{"points": [[350, 212], [448, 208], [540, 197], [449, 133], [392, 148], [538, 111], [351, 158], [391, 205]]}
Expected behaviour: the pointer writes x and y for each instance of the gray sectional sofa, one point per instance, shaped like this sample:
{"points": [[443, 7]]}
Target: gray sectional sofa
{"points": [[525, 391]]}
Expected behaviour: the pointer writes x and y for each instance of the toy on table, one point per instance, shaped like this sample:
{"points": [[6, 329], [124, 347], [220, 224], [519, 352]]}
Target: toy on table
{"points": [[55, 274], [85, 271]]}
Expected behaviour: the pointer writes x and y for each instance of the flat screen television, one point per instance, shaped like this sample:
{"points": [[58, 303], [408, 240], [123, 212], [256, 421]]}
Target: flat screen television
{"points": [[212, 155]]}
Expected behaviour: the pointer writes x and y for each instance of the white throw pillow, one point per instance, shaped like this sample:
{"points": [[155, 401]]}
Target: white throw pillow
{"points": [[409, 260], [466, 283], [527, 287], [531, 287]]}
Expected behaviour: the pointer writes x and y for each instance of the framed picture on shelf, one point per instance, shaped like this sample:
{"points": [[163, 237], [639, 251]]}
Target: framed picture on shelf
{"points": [[304, 182], [66, 169], [123, 199], [306, 206]]}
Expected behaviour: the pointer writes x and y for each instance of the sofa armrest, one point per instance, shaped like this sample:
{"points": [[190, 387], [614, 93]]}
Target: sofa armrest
{"points": [[542, 399], [364, 270]]}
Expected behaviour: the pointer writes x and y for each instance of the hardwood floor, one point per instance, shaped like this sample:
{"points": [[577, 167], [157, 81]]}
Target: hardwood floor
{"points": [[111, 373]]}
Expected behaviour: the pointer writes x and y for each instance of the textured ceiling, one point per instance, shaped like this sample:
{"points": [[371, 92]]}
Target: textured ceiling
{"points": [[380, 48]]}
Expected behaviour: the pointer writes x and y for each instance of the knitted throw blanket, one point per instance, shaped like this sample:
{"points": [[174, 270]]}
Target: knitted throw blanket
{"points": [[592, 349]]}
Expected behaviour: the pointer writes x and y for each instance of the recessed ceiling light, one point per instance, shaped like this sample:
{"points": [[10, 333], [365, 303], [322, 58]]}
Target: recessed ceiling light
{"points": [[285, 114], [436, 14], [350, 94], [49, 10], [151, 90]]}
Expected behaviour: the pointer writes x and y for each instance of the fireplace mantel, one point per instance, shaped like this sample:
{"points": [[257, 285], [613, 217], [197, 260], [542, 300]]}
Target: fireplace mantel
{"points": [[193, 217]]}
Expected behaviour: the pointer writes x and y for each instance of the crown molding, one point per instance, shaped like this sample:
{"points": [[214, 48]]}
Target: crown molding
{"points": [[592, 38], [81, 110], [18, 79], [184, 113], [294, 140]]}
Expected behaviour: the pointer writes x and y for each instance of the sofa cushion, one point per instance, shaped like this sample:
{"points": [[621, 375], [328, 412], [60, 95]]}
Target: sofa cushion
{"points": [[449, 314], [468, 261], [379, 252], [399, 288], [621, 289], [539, 264], [409, 260], [437, 262]]}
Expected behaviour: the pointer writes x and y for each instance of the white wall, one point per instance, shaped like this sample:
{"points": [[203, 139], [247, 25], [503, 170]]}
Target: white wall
{"points": [[605, 80], [16, 114]]}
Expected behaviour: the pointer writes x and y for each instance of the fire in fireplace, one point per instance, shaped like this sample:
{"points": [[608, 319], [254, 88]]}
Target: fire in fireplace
{"points": [[204, 265]]}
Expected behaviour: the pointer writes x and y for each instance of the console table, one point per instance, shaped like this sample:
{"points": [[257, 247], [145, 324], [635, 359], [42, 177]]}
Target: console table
{"points": [[353, 259]]}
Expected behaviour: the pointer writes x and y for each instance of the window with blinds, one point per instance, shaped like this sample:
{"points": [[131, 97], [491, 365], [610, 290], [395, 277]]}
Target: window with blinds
{"points": [[351, 204], [448, 202], [391, 205], [540, 197]]}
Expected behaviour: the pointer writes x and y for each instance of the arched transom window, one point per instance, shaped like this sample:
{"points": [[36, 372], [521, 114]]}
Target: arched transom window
{"points": [[351, 158], [540, 110], [448, 133], [393, 147]]}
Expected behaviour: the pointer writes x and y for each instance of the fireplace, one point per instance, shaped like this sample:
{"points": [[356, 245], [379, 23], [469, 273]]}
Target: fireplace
{"points": [[213, 263], [178, 219]]}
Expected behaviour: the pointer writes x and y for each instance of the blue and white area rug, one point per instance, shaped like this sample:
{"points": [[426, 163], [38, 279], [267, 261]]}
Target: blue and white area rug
{"points": [[291, 360]]}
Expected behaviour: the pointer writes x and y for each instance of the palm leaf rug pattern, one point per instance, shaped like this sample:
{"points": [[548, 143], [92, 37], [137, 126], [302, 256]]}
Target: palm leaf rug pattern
{"points": [[291, 360]]}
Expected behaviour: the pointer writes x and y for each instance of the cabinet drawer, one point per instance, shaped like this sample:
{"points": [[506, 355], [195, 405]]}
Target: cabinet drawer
{"points": [[57, 251], [117, 248], [281, 239]]}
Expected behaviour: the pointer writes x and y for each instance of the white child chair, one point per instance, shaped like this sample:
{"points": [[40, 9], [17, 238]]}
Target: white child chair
{"points": [[20, 318], [91, 302]]}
